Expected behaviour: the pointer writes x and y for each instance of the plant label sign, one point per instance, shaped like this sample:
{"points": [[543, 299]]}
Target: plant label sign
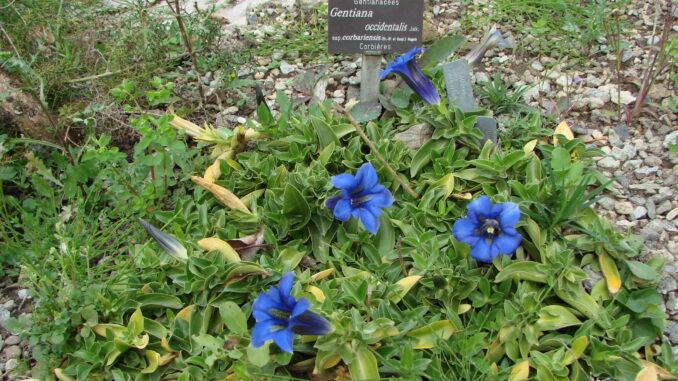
{"points": [[374, 26]]}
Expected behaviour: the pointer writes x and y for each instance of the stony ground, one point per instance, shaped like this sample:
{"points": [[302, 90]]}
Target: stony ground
{"points": [[643, 199]]}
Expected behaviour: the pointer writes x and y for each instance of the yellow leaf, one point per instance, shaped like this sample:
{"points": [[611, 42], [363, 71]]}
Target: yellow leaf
{"points": [[520, 371], [609, 268], [648, 373], [222, 194], [578, 347], [100, 329], [428, 335], [661, 372], [191, 128], [463, 196], [562, 129], [463, 308], [247, 199], [185, 313], [322, 275], [529, 147], [153, 359], [166, 358], [61, 376], [222, 246], [317, 293], [403, 286], [446, 182], [164, 344]]}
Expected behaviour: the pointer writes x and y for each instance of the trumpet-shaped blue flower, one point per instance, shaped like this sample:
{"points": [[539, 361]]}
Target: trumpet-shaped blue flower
{"points": [[361, 197], [491, 38], [167, 242], [279, 316], [489, 229], [406, 67]]}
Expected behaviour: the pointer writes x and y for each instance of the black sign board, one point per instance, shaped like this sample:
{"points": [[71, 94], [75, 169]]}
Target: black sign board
{"points": [[374, 26]]}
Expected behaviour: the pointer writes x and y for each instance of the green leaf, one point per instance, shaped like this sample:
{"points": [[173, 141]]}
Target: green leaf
{"points": [[364, 366], [233, 317], [136, 323], [295, 205], [159, 300], [642, 270], [258, 356], [522, 270], [640, 300], [364, 112], [152, 359], [290, 258], [441, 50], [560, 159], [423, 155], [325, 134], [430, 334], [326, 153], [556, 317], [400, 99], [385, 238], [154, 328]]}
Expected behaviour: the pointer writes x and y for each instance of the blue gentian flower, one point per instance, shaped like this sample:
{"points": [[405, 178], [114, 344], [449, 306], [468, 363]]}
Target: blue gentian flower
{"points": [[489, 229], [361, 197], [406, 67], [491, 38], [167, 242], [279, 316]]}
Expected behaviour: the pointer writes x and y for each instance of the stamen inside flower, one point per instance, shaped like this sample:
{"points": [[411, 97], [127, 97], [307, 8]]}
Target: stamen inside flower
{"points": [[357, 201], [490, 228], [280, 314]]}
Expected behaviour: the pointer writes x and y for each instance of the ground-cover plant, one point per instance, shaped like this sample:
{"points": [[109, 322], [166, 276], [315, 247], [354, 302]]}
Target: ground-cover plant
{"points": [[407, 302]]}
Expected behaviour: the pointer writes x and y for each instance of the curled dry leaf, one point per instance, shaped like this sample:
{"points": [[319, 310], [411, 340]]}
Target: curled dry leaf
{"points": [[248, 246], [222, 194]]}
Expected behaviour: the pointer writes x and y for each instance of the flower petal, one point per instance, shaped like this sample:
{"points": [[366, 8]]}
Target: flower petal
{"points": [[421, 84], [369, 220], [382, 199], [483, 251], [299, 308], [509, 216], [262, 332], [464, 230], [342, 211], [367, 176], [495, 211], [479, 207], [285, 286], [507, 244], [262, 304], [310, 323], [332, 201], [283, 339], [345, 181]]}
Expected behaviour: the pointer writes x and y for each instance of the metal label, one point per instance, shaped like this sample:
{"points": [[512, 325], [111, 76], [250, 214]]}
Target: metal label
{"points": [[374, 26]]}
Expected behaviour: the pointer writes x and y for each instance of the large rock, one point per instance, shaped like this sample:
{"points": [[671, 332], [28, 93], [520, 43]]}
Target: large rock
{"points": [[415, 136]]}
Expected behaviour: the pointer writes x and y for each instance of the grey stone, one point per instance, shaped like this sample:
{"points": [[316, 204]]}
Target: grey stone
{"points": [[458, 82], [488, 126], [672, 302], [667, 285], [639, 212], [415, 136], [628, 151], [4, 317], [13, 340], [670, 139], [651, 208], [593, 277], [624, 207], [608, 162], [622, 132], [672, 214], [652, 231], [672, 331], [11, 364], [9, 304], [12, 352], [644, 172], [664, 207], [607, 203], [286, 68]]}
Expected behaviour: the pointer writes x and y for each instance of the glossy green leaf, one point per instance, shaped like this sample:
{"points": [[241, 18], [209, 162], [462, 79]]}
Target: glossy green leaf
{"points": [[258, 356], [523, 271], [556, 317], [430, 334], [642, 270], [364, 366], [423, 155], [441, 50], [295, 205], [154, 300], [233, 317]]}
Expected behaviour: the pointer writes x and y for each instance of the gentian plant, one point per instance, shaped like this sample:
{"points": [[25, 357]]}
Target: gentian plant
{"points": [[279, 316], [491, 38], [489, 229], [406, 67], [361, 197]]}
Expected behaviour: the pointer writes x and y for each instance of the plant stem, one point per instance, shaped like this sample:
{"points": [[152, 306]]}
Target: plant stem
{"points": [[189, 48], [374, 150]]}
